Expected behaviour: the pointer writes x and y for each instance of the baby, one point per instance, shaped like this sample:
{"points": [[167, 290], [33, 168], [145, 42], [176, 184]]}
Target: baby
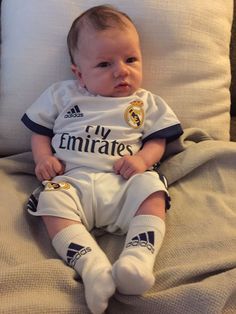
{"points": [[95, 141]]}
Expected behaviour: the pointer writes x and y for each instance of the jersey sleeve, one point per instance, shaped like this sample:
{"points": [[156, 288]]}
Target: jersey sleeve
{"points": [[40, 116], [160, 121]]}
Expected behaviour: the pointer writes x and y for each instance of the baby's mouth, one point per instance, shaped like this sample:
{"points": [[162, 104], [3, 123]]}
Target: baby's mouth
{"points": [[122, 85]]}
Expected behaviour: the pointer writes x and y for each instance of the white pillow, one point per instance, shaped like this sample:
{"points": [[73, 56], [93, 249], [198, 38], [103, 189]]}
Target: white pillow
{"points": [[186, 58]]}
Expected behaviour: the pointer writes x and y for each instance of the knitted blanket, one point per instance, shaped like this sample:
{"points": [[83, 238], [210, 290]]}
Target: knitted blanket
{"points": [[195, 269]]}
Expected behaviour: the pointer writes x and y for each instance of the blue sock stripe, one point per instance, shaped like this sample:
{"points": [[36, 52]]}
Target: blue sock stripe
{"points": [[151, 237], [143, 236], [74, 246], [71, 253]]}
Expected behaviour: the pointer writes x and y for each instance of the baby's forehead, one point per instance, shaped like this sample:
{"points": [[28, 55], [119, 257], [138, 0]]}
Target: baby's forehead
{"points": [[116, 21], [89, 28], [89, 34]]}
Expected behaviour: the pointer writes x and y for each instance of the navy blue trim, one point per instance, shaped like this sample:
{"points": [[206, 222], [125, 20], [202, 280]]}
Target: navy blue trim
{"points": [[165, 182], [167, 196], [35, 127], [170, 134]]}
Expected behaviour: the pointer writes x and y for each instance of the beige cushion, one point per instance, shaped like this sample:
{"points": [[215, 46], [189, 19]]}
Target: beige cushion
{"points": [[186, 58]]}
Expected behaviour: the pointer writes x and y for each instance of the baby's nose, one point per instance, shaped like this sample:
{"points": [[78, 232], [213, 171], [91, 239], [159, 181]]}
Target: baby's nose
{"points": [[121, 70]]}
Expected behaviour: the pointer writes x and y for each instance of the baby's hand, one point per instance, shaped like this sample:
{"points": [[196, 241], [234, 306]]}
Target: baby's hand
{"points": [[48, 167], [127, 166]]}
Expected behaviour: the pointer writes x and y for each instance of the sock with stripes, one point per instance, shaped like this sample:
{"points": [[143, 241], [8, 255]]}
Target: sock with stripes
{"points": [[133, 271], [79, 249]]}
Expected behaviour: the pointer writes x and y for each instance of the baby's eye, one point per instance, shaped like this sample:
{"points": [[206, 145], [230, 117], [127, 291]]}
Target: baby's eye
{"points": [[103, 64], [131, 59]]}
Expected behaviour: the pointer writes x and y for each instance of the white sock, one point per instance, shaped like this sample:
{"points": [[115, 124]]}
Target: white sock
{"points": [[78, 248], [133, 271]]}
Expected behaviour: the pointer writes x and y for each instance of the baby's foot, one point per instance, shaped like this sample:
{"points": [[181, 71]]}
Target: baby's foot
{"points": [[131, 276], [99, 287]]}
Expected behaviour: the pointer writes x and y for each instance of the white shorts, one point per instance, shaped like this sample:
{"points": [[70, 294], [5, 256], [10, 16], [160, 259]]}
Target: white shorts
{"points": [[98, 200]]}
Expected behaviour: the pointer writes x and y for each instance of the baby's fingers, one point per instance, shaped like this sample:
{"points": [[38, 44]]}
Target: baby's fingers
{"points": [[118, 165], [42, 174], [59, 167]]}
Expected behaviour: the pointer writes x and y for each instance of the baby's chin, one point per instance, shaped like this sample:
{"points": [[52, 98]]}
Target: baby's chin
{"points": [[123, 91]]}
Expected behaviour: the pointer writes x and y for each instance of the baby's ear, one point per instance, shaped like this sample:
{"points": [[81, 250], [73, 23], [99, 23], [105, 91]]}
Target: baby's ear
{"points": [[75, 70], [77, 73]]}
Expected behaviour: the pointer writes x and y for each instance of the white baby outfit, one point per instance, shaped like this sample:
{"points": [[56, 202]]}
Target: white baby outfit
{"points": [[89, 133]]}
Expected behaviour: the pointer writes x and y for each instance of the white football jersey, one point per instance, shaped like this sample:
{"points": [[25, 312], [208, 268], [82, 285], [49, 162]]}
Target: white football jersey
{"points": [[93, 131]]}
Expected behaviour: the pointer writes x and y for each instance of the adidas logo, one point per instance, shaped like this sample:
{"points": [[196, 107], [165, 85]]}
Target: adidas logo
{"points": [[145, 239], [74, 113], [75, 252]]}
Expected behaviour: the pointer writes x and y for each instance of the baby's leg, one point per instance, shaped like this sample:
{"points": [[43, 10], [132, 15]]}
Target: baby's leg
{"points": [[133, 272], [78, 248]]}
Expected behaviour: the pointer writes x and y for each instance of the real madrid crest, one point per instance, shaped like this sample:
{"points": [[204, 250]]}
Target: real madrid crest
{"points": [[134, 114], [55, 186]]}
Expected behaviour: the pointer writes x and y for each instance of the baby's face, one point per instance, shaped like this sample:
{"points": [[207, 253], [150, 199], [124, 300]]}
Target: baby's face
{"points": [[109, 62]]}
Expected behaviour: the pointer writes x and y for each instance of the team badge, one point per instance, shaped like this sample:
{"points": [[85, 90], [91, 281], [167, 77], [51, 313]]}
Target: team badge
{"points": [[55, 186], [134, 114]]}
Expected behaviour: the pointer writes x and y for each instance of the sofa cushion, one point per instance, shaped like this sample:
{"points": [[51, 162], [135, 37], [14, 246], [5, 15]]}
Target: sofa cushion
{"points": [[186, 58]]}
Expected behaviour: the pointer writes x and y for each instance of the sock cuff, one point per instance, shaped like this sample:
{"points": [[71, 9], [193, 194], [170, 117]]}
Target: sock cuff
{"points": [[65, 236], [68, 233], [152, 221]]}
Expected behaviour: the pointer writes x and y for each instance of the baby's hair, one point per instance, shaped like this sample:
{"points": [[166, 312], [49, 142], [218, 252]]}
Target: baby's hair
{"points": [[100, 18]]}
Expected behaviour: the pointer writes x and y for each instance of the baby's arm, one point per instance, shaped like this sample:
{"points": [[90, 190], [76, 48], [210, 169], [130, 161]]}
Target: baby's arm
{"points": [[151, 153], [47, 165]]}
